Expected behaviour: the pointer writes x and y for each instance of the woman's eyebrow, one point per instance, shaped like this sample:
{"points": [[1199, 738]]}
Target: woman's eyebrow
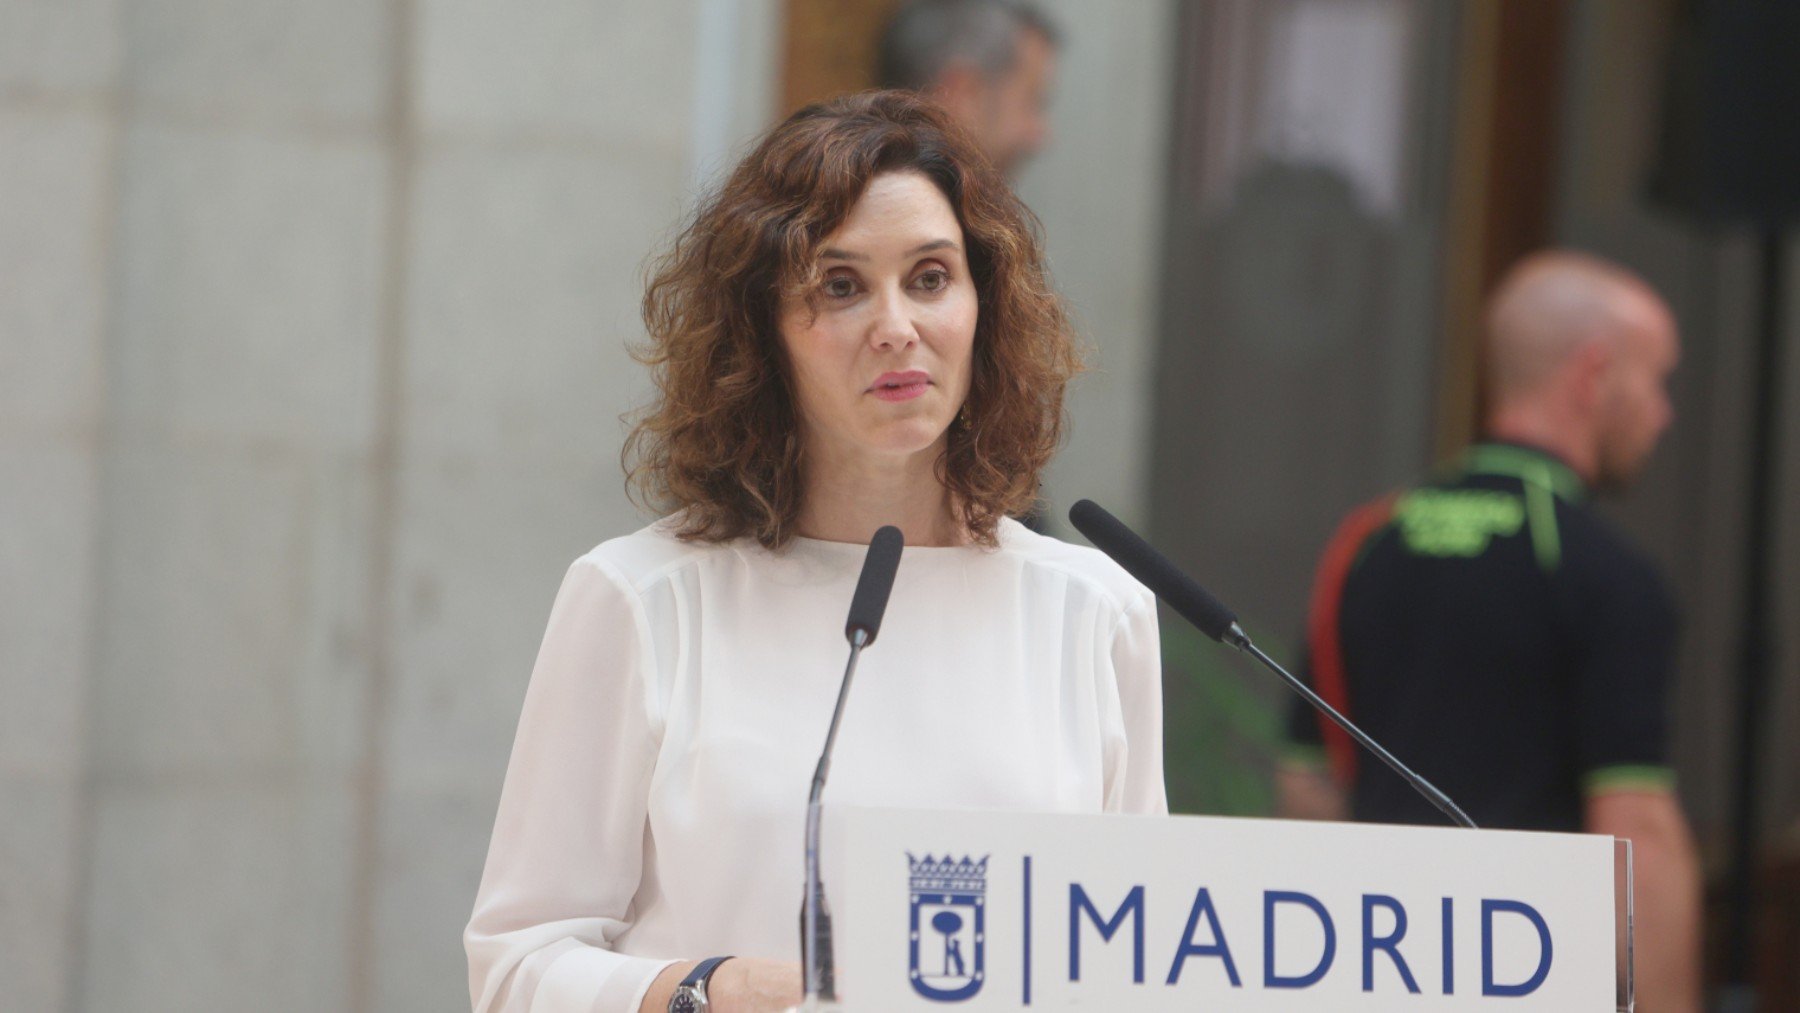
{"points": [[833, 253], [935, 244]]}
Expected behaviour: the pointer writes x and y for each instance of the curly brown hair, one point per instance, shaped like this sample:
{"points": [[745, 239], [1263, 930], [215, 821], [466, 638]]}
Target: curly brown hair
{"points": [[722, 441]]}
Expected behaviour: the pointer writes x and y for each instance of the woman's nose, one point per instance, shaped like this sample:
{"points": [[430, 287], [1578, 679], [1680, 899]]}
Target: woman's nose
{"points": [[893, 324]]}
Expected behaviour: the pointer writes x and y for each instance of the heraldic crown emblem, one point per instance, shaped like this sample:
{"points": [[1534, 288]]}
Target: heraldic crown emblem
{"points": [[947, 938]]}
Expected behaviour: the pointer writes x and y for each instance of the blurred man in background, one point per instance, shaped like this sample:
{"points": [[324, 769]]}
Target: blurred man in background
{"points": [[990, 62], [1495, 632]]}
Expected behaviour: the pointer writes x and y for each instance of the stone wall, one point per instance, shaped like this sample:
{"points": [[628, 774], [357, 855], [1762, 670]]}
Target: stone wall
{"points": [[314, 328]]}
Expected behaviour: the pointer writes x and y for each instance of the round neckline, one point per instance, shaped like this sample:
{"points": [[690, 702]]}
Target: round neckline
{"points": [[1004, 531]]}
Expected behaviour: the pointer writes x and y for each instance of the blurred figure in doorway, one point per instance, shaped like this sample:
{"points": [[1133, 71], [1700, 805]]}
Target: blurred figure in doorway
{"points": [[989, 62]]}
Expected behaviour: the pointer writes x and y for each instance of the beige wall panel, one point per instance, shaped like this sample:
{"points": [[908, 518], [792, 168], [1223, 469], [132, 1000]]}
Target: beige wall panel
{"points": [[235, 611], [219, 894], [321, 62], [615, 71], [60, 47], [53, 201], [249, 293], [522, 297]]}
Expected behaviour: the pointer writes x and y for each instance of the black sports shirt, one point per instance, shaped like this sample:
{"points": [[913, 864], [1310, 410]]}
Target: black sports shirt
{"points": [[1498, 636]]}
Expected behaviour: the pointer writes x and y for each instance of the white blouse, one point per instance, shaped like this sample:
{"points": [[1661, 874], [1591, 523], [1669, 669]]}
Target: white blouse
{"points": [[654, 807]]}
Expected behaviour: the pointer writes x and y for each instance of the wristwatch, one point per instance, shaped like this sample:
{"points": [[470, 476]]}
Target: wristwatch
{"points": [[690, 995]]}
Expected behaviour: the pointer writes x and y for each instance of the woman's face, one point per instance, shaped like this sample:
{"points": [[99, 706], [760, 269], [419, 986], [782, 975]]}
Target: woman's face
{"points": [[881, 357]]}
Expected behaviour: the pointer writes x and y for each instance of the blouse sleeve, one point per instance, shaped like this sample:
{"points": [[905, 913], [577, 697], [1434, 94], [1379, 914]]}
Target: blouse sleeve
{"points": [[1135, 772], [567, 850]]}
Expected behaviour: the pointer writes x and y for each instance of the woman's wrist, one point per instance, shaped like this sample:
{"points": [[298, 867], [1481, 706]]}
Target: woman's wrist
{"points": [[749, 985], [725, 992], [662, 987], [738, 985]]}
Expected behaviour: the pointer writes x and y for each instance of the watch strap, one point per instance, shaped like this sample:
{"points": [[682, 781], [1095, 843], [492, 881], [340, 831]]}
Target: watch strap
{"points": [[703, 972]]}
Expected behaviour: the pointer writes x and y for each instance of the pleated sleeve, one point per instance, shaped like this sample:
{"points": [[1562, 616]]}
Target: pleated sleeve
{"points": [[567, 852], [1133, 661]]}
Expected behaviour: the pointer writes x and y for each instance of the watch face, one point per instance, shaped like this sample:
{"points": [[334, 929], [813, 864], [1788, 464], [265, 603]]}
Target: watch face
{"points": [[684, 1002]]}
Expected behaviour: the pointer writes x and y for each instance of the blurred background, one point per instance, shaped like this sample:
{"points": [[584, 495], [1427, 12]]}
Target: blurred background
{"points": [[313, 348]]}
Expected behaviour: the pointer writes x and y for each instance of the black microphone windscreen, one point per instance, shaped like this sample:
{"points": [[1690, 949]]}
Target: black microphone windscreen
{"points": [[871, 598], [1153, 569]]}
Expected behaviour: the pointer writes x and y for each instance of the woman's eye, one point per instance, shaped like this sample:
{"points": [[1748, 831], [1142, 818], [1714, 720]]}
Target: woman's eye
{"points": [[933, 281], [840, 287]]}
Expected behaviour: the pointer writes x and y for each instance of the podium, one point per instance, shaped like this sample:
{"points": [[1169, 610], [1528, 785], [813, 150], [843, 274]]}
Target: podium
{"points": [[1024, 911]]}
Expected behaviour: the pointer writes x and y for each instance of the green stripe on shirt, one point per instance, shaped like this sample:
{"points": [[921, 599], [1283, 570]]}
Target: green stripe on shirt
{"points": [[1303, 754], [1628, 777], [1540, 502]]}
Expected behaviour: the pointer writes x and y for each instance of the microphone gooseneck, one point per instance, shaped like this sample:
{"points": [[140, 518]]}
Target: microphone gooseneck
{"points": [[1197, 605], [867, 605]]}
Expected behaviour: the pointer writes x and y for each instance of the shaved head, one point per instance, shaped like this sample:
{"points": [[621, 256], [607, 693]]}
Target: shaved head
{"points": [[1550, 305], [1577, 353]]}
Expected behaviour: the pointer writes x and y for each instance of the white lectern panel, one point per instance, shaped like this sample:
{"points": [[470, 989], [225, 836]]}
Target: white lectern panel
{"points": [[1003, 911]]}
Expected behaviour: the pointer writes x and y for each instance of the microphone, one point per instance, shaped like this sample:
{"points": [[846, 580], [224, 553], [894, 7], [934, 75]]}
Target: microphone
{"points": [[1197, 605], [866, 608], [873, 587], [1157, 572]]}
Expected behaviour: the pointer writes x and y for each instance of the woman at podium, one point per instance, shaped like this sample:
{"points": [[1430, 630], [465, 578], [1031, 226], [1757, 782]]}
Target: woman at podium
{"points": [[855, 330]]}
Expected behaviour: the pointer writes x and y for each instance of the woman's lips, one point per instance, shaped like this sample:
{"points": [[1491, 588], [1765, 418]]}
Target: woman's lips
{"points": [[900, 386]]}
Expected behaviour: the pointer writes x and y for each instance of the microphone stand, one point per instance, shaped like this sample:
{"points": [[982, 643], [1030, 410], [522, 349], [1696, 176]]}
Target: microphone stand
{"points": [[866, 608], [1210, 616], [1236, 637], [815, 918]]}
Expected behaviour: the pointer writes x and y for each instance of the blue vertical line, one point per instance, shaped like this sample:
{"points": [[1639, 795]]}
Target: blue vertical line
{"points": [[1449, 948], [1027, 933]]}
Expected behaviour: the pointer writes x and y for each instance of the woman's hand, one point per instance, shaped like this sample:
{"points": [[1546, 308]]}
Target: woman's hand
{"points": [[749, 985], [740, 985]]}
